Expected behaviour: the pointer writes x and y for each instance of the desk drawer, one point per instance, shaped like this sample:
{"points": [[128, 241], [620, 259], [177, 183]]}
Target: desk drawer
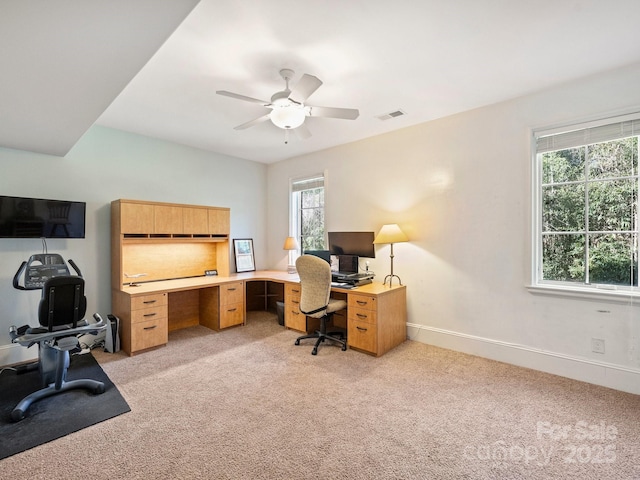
{"points": [[362, 335], [151, 313], [147, 301], [231, 293], [294, 319], [151, 333], [361, 301], [361, 315], [292, 293], [231, 315]]}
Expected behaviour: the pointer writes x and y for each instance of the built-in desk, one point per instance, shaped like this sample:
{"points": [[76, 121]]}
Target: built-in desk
{"points": [[376, 314]]}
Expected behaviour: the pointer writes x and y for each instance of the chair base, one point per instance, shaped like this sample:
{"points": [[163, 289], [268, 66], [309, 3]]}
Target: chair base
{"points": [[18, 413], [322, 336], [53, 363]]}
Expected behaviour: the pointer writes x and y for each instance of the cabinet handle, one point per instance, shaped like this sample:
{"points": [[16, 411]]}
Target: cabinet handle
{"points": [[231, 289], [294, 290], [149, 301], [232, 310], [149, 315], [362, 329], [150, 328], [360, 315], [295, 301], [294, 312], [361, 302]]}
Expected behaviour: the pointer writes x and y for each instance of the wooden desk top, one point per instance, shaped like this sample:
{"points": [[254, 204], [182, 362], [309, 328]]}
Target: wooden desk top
{"points": [[180, 284]]}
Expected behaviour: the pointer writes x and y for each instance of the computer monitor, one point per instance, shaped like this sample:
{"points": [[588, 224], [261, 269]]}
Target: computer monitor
{"points": [[359, 244], [348, 263], [323, 254]]}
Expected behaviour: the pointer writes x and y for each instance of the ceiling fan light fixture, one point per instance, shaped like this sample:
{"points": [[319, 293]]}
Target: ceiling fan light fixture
{"points": [[287, 116]]}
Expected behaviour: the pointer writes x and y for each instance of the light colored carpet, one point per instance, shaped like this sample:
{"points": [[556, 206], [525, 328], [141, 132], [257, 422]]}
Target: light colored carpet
{"points": [[248, 404]]}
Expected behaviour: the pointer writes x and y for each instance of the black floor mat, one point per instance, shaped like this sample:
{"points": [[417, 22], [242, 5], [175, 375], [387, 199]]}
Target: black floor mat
{"points": [[56, 416]]}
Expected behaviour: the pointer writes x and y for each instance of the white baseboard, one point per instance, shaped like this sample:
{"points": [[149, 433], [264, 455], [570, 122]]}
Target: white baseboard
{"points": [[12, 354], [609, 375]]}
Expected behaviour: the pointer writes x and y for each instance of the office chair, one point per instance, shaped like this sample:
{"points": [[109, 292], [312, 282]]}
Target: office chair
{"points": [[61, 317], [315, 283]]}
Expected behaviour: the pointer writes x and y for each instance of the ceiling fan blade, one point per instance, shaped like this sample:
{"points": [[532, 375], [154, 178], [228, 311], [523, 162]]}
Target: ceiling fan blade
{"points": [[331, 112], [304, 88], [302, 132], [252, 122], [243, 97]]}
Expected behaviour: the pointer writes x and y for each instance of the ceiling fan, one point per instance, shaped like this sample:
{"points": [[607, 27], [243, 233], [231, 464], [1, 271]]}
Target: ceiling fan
{"points": [[288, 109]]}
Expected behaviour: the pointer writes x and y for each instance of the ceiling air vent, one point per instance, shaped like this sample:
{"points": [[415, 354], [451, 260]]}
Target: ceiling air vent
{"points": [[387, 116]]}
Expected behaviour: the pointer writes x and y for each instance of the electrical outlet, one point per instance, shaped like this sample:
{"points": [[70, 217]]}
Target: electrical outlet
{"points": [[597, 345]]}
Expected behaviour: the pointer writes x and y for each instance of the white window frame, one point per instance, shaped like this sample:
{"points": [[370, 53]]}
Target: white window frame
{"points": [[537, 283], [315, 180]]}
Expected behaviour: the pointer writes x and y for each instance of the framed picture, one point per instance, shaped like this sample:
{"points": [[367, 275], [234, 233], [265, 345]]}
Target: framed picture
{"points": [[243, 250]]}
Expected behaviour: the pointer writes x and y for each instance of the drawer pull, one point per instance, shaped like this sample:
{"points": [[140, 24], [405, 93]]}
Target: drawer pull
{"points": [[232, 310], [295, 291], [361, 302], [149, 314], [293, 312], [295, 301], [360, 315], [362, 329], [149, 301], [150, 328], [231, 289]]}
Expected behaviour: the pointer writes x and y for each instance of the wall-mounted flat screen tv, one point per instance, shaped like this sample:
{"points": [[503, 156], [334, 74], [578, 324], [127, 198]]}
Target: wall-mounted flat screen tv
{"points": [[37, 218], [352, 243]]}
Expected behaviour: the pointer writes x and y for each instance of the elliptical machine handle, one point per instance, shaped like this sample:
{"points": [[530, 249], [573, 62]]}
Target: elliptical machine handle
{"points": [[16, 277], [75, 267]]}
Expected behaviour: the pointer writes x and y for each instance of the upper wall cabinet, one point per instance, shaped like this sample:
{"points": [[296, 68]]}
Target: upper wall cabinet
{"points": [[166, 240], [218, 221], [195, 220], [168, 219], [138, 219], [135, 217]]}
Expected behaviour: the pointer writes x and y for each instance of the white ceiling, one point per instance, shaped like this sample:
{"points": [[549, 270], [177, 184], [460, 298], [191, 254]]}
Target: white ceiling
{"points": [[429, 58], [62, 62]]}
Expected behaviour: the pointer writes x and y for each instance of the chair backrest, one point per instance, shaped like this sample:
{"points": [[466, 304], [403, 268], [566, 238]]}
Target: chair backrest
{"points": [[63, 302], [315, 284]]}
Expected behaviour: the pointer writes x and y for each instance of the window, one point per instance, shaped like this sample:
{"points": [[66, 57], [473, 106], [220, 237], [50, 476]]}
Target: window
{"points": [[307, 212], [586, 212]]}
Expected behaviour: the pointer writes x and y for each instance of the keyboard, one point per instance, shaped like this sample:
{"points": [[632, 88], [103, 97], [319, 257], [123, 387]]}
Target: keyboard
{"points": [[350, 276]]}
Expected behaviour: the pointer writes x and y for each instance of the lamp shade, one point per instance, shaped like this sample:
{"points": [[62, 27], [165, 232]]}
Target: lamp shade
{"points": [[290, 244], [391, 234]]}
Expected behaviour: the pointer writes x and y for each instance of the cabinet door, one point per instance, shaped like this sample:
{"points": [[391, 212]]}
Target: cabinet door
{"points": [[136, 218], [219, 221], [168, 219], [195, 220]]}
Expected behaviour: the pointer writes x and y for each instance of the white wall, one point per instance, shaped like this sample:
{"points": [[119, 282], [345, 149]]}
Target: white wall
{"points": [[105, 165], [460, 188]]}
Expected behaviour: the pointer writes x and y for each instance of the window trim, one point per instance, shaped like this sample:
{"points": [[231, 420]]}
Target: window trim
{"points": [[292, 208], [536, 285]]}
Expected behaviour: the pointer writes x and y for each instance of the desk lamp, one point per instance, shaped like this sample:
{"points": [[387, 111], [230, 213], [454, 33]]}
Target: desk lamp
{"points": [[290, 244], [391, 234]]}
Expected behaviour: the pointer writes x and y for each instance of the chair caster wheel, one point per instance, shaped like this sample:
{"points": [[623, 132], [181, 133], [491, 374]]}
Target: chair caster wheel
{"points": [[297, 342], [344, 348], [314, 351], [17, 415]]}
